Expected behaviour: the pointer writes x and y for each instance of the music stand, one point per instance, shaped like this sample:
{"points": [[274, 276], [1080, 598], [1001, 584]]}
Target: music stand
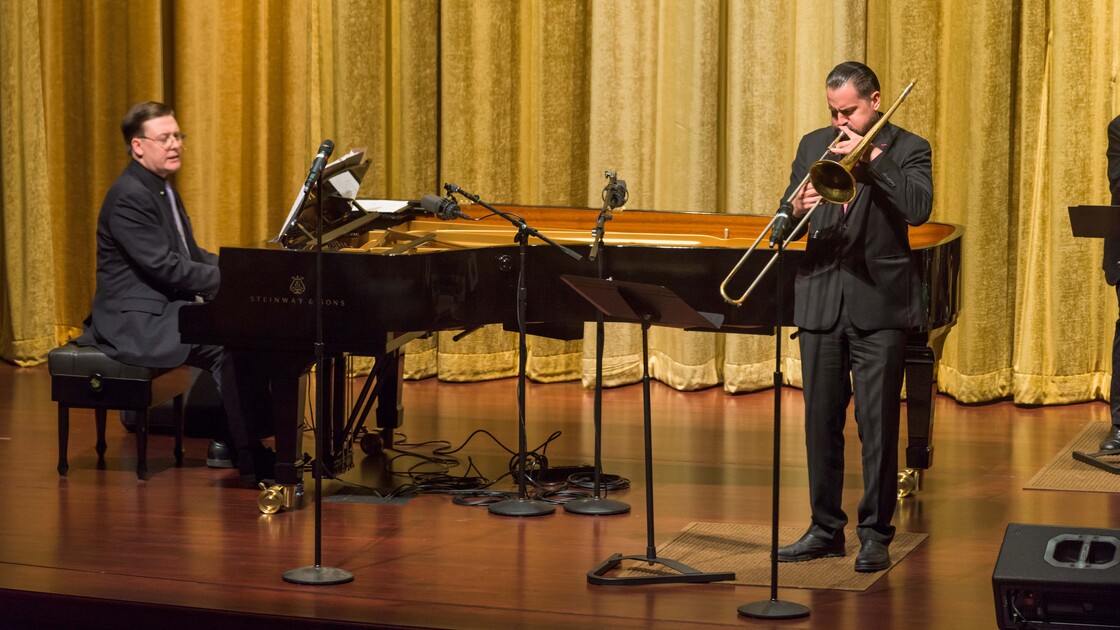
{"points": [[1096, 222], [328, 210], [648, 305]]}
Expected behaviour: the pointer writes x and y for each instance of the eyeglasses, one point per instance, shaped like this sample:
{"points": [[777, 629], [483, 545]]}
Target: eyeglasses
{"points": [[167, 140]]}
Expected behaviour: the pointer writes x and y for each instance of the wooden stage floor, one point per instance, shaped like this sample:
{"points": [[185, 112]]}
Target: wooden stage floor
{"points": [[189, 549]]}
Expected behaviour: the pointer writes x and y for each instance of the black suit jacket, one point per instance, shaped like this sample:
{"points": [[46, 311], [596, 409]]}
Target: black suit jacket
{"points": [[861, 257], [143, 278], [1112, 245]]}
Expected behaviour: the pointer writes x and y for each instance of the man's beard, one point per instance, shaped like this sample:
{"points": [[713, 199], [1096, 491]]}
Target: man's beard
{"points": [[870, 123]]}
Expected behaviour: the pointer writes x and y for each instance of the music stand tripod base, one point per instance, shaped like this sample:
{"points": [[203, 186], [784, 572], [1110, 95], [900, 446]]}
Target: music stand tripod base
{"points": [[685, 574], [317, 575], [1094, 459]]}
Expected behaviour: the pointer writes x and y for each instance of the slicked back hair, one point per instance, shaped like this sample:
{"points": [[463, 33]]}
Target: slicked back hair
{"points": [[861, 77]]}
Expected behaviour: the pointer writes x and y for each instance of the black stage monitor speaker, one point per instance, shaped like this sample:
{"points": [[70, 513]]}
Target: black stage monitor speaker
{"points": [[1051, 577]]}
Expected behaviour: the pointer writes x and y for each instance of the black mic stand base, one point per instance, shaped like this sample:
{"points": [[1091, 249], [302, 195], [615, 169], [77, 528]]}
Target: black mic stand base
{"points": [[685, 574], [318, 575], [521, 507], [596, 506], [774, 609]]}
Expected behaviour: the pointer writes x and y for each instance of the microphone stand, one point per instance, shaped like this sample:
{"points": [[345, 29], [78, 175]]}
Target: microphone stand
{"points": [[317, 574], [596, 504], [522, 505], [775, 608]]}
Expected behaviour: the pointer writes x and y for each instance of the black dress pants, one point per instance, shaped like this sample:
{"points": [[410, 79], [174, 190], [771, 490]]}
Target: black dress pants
{"points": [[833, 363], [244, 389], [1114, 393]]}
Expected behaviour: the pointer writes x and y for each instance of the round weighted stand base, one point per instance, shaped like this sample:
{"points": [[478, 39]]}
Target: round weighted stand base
{"points": [[596, 506], [774, 609], [317, 575], [521, 507]]}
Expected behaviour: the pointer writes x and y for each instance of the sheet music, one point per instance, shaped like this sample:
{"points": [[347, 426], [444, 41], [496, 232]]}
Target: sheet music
{"points": [[345, 184], [381, 206], [353, 157], [331, 172]]}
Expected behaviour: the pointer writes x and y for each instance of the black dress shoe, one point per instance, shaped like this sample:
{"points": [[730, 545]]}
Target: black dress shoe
{"points": [[873, 556], [1112, 441], [809, 547], [218, 455]]}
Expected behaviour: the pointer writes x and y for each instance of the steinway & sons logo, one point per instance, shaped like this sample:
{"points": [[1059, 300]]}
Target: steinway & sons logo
{"points": [[296, 288]]}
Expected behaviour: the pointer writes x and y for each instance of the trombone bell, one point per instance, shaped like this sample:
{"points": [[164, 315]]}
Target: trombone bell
{"points": [[834, 182]]}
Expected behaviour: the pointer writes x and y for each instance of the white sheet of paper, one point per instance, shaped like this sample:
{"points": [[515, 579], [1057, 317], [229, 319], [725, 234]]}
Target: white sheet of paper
{"points": [[346, 184], [381, 206]]}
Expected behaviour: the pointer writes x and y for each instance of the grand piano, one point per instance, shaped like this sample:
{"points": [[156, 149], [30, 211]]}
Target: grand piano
{"points": [[406, 273]]}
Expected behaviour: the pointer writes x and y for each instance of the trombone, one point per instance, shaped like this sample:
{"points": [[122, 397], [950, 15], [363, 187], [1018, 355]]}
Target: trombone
{"points": [[835, 183]]}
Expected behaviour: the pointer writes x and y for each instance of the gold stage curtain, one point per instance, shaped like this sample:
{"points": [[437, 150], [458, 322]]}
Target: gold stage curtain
{"points": [[69, 72], [27, 305], [698, 104]]}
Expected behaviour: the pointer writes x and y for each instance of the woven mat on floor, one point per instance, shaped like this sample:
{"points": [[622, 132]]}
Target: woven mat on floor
{"points": [[745, 549], [1066, 473]]}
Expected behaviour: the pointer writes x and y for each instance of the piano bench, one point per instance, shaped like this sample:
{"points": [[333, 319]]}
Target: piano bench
{"points": [[83, 377]]}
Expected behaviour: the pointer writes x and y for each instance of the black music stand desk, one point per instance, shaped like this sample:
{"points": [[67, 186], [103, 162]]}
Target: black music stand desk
{"points": [[1097, 222], [648, 305]]}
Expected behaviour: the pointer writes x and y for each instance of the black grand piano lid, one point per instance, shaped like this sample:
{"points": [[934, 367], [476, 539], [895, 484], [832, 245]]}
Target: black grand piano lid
{"points": [[340, 181]]}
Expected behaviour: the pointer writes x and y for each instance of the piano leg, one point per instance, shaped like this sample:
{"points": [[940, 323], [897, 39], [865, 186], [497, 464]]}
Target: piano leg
{"points": [[286, 373], [920, 363], [338, 453], [384, 387], [287, 412], [390, 404]]}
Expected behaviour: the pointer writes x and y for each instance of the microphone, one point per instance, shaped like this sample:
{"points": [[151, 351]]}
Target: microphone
{"points": [[782, 223], [443, 207], [615, 194], [320, 161]]}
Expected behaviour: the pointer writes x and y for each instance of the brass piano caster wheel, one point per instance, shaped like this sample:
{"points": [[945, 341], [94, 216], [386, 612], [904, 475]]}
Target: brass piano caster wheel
{"points": [[279, 497], [909, 482], [372, 443], [271, 499]]}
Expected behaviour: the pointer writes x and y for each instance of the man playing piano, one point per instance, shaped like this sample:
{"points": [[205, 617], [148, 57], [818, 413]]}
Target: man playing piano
{"points": [[148, 266], [1112, 275], [857, 292]]}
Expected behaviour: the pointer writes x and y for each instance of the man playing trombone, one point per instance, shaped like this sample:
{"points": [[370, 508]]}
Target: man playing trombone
{"points": [[857, 293]]}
